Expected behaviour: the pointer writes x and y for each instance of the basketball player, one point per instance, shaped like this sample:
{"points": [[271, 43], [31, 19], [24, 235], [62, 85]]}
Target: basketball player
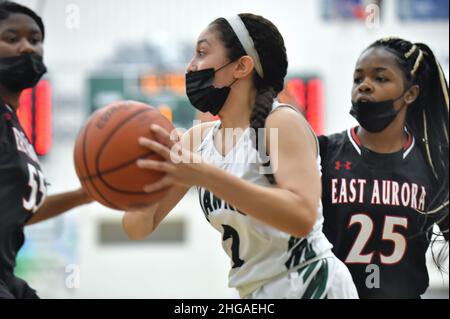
{"points": [[22, 185], [271, 226], [385, 182]]}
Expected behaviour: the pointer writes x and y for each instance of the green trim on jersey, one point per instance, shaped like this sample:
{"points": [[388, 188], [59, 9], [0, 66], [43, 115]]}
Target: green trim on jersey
{"points": [[300, 252], [318, 283]]}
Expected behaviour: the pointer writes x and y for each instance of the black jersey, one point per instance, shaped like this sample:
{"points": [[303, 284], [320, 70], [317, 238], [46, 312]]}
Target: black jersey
{"points": [[22, 187], [371, 204]]}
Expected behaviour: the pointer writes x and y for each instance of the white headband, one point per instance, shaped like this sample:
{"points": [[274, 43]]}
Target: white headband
{"points": [[246, 40]]}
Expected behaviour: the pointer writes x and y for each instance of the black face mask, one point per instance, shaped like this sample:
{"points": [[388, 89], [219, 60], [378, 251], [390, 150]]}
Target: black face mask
{"points": [[374, 117], [21, 72], [201, 92]]}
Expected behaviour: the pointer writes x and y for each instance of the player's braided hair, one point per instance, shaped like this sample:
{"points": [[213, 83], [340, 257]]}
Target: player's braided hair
{"points": [[427, 117], [272, 53], [8, 7]]}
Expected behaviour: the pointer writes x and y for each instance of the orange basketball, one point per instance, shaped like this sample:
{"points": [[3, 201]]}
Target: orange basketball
{"points": [[106, 152]]}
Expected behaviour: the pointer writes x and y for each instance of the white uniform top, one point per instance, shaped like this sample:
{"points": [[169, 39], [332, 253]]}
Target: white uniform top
{"points": [[259, 253]]}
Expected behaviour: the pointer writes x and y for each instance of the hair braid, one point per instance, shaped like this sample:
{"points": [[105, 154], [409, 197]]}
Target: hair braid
{"points": [[272, 52]]}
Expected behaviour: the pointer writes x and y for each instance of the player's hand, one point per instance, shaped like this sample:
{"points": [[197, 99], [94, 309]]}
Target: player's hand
{"points": [[182, 166]]}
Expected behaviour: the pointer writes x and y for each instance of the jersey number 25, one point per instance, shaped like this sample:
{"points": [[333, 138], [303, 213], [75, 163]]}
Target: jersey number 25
{"points": [[356, 255]]}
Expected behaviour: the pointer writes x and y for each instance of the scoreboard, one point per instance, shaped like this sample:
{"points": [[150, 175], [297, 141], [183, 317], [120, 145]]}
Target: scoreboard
{"points": [[35, 116], [423, 10], [307, 94], [167, 92]]}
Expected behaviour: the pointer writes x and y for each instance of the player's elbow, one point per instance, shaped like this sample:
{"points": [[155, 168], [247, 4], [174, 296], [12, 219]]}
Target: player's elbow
{"points": [[136, 236], [303, 230], [134, 229], [307, 219]]}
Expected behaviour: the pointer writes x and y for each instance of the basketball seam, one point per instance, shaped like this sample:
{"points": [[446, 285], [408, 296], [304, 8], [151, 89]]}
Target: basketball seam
{"points": [[77, 168], [87, 168], [116, 168], [97, 161]]}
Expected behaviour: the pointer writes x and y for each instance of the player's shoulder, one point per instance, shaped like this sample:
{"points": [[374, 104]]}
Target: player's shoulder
{"points": [[282, 114], [290, 122], [196, 134], [338, 138], [330, 143], [334, 139], [4, 117]]}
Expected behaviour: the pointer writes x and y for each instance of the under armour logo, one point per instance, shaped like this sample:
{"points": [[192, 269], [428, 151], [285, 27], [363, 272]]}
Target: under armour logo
{"points": [[339, 165]]}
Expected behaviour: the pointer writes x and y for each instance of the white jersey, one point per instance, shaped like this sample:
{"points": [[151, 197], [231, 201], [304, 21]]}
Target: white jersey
{"points": [[259, 253]]}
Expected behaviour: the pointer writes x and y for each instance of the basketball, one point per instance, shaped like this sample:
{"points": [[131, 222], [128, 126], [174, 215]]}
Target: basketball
{"points": [[106, 151]]}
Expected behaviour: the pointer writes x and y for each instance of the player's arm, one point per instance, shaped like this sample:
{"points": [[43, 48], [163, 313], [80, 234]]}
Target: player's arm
{"points": [[292, 206], [57, 204], [140, 224]]}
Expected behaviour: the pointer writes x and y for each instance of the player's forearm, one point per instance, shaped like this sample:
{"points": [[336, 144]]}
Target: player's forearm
{"points": [[280, 208], [57, 204]]}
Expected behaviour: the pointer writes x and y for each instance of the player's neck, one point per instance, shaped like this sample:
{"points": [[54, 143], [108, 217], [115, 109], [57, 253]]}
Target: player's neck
{"points": [[10, 98], [389, 141], [237, 109]]}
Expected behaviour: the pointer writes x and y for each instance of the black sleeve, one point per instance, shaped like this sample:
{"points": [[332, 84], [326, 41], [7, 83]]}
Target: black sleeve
{"points": [[6, 144], [323, 146], [2, 135], [443, 226]]}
